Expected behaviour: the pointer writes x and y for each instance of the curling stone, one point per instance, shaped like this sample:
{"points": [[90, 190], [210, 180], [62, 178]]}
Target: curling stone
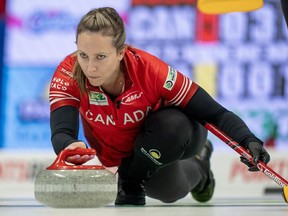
{"points": [[75, 186]]}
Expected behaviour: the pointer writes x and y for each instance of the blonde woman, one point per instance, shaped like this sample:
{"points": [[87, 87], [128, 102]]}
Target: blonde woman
{"points": [[139, 114]]}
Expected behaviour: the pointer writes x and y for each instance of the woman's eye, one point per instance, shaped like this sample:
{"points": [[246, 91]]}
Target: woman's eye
{"points": [[83, 55], [101, 57]]}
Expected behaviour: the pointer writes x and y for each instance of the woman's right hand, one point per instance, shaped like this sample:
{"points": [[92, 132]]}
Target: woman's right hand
{"points": [[78, 159]]}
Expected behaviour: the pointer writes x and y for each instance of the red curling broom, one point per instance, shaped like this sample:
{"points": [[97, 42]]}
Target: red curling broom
{"points": [[243, 152]]}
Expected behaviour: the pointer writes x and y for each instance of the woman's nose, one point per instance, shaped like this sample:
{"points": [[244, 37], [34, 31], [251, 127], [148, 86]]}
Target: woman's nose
{"points": [[91, 67]]}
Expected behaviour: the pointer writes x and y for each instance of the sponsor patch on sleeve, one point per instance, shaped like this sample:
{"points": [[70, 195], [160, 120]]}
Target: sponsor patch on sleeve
{"points": [[170, 79]]}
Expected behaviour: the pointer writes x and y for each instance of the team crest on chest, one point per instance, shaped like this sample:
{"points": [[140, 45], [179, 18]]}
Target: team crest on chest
{"points": [[98, 98]]}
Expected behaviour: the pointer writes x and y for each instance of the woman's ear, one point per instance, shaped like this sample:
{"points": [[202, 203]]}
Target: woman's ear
{"points": [[121, 53]]}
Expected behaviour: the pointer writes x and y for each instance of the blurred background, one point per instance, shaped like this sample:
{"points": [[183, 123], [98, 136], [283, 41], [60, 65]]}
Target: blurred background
{"points": [[239, 58]]}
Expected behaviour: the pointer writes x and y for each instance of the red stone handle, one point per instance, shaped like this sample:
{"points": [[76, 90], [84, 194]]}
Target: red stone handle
{"points": [[60, 161]]}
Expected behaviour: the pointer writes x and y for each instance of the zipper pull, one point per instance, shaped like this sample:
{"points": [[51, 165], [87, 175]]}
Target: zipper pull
{"points": [[118, 103]]}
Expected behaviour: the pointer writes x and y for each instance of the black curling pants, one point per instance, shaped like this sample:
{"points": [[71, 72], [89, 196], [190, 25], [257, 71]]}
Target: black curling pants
{"points": [[164, 154]]}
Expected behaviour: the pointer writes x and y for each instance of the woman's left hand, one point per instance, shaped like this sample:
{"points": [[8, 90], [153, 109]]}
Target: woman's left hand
{"points": [[258, 152]]}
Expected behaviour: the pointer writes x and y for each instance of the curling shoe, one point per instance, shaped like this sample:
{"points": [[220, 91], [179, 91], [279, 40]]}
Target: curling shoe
{"points": [[204, 193], [130, 193]]}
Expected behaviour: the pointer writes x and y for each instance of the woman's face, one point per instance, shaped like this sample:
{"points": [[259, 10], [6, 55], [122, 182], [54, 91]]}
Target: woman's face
{"points": [[98, 58]]}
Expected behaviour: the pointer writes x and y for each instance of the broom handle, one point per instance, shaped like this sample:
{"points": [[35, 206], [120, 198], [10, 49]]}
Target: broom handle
{"points": [[243, 152]]}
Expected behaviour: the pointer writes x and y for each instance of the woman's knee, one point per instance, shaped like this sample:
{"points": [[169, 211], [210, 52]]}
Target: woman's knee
{"points": [[173, 125], [165, 137], [197, 140], [170, 122]]}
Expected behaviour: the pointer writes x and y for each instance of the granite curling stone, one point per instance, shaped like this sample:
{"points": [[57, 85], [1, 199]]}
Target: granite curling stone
{"points": [[75, 186]]}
